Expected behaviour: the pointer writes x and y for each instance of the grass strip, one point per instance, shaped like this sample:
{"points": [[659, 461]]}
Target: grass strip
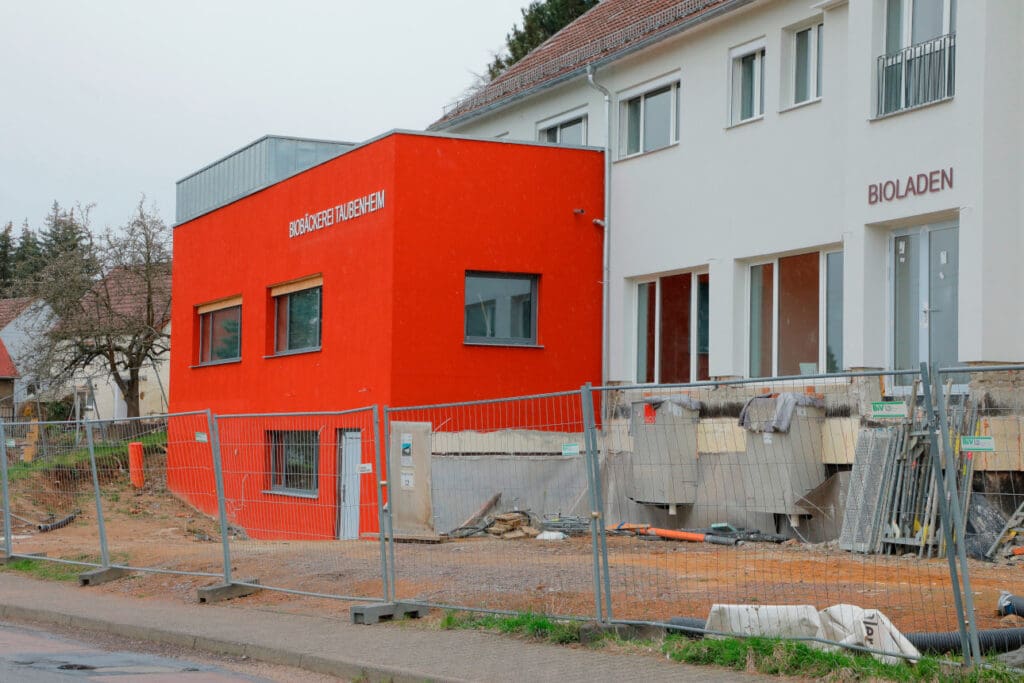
{"points": [[769, 656]]}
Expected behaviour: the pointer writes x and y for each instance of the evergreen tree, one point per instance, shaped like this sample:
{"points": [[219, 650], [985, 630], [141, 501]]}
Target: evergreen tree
{"points": [[65, 232], [6, 260], [541, 20], [28, 259]]}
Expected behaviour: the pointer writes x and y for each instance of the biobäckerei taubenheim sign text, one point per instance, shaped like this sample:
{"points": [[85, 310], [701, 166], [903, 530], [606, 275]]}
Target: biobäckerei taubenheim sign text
{"points": [[346, 211], [913, 185]]}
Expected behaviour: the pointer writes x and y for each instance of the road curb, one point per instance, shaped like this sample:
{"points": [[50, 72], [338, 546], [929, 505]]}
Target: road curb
{"points": [[219, 646]]}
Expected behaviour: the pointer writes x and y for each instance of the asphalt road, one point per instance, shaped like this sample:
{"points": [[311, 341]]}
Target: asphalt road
{"points": [[29, 654]]}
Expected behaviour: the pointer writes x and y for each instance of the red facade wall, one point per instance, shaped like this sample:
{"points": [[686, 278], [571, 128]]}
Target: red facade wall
{"points": [[392, 298]]}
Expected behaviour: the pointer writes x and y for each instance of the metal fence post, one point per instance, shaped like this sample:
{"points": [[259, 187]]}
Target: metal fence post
{"points": [[944, 505], [382, 485], [599, 500], [218, 476], [587, 408], [388, 509], [959, 525], [8, 548], [104, 550]]}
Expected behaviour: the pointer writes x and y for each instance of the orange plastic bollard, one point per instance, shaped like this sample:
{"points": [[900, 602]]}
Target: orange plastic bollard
{"points": [[135, 472]]}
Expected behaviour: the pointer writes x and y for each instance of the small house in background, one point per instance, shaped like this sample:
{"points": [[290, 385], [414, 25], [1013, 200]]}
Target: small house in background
{"points": [[8, 376], [411, 269], [119, 304], [21, 319]]}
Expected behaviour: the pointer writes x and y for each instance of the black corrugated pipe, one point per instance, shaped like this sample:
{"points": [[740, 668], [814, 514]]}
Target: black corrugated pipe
{"points": [[992, 640], [60, 523]]}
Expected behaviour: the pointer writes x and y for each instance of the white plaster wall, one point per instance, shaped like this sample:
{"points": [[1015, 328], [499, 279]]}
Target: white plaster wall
{"points": [[20, 337], [797, 180]]}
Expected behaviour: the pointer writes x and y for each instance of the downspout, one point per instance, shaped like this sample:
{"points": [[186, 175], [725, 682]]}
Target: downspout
{"points": [[605, 223]]}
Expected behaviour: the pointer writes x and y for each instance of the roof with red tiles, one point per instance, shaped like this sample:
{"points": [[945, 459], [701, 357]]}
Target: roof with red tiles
{"points": [[609, 29], [10, 309], [7, 367], [122, 297]]}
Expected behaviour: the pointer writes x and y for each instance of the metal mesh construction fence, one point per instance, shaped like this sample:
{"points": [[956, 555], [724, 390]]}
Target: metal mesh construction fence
{"points": [[795, 491], [50, 492], [900, 492], [157, 495], [985, 416], [476, 488], [301, 502]]}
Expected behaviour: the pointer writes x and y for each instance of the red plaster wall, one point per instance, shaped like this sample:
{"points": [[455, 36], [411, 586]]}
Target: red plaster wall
{"points": [[393, 293]]}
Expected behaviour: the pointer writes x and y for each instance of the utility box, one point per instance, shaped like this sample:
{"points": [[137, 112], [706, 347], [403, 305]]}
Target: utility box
{"points": [[783, 451], [664, 462]]}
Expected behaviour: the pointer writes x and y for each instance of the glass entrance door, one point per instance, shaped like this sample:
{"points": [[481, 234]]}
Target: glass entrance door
{"points": [[925, 285]]}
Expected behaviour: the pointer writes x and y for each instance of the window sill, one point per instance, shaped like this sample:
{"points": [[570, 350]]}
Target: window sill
{"points": [[907, 110], [801, 105], [296, 352], [637, 155], [230, 361], [745, 122], [290, 493], [503, 344]]}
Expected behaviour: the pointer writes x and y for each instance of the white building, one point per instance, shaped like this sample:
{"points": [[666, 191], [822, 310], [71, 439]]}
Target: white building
{"points": [[796, 186]]}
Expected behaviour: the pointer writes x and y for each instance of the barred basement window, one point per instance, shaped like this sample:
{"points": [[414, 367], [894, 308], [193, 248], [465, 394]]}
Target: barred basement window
{"points": [[294, 457]]}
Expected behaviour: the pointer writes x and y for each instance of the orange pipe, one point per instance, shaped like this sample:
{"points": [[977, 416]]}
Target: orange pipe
{"points": [[676, 535], [1019, 550], [135, 472]]}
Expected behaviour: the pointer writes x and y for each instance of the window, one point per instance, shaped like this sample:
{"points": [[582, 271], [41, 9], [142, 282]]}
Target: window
{"points": [[807, 48], [297, 314], [748, 81], [220, 331], [918, 66], [293, 460], [651, 119], [672, 329], [796, 315], [571, 132], [501, 308]]}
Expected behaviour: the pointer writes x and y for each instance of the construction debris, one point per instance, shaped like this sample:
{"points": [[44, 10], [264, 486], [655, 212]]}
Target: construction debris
{"points": [[507, 526]]}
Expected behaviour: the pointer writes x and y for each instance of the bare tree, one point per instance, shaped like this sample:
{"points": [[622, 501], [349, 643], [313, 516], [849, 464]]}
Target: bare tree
{"points": [[111, 304]]}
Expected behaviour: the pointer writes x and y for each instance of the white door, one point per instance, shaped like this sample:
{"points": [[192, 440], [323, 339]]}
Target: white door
{"points": [[349, 456], [925, 266]]}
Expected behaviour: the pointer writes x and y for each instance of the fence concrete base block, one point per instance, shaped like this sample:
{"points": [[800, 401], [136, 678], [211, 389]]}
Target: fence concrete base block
{"points": [[95, 577], [386, 611], [227, 591], [595, 631]]}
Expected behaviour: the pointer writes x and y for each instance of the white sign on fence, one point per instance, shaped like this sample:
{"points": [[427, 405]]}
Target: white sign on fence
{"points": [[570, 449], [365, 468], [978, 444], [888, 409], [201, 437]]}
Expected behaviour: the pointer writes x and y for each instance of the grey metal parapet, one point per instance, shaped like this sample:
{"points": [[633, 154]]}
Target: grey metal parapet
{"points": [[257, 165]]}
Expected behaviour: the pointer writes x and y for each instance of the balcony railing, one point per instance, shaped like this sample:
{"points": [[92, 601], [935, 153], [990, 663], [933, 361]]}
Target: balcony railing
{"points": [[917, 75]]}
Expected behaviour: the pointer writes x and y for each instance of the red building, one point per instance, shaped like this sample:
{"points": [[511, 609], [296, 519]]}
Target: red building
{"points": [[411, 269]]}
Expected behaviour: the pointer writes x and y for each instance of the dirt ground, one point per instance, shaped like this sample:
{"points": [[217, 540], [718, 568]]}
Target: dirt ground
{"points": [[649, 579]]}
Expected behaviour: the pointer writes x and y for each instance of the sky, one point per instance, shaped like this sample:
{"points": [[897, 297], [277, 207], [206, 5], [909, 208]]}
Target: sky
{"points": [[104, 101]]}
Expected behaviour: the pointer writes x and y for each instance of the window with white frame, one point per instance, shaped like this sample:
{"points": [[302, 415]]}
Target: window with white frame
{"points": [[796, 315], [747, 76], [806, 48], [918, 64], [672, 329], [650, 117], [570, 132]]}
